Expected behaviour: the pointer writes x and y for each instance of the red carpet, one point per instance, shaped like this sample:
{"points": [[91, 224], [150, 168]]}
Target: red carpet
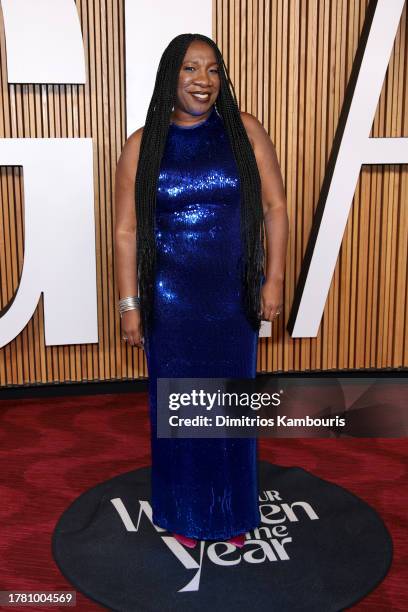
{"points": [[52, 449]]}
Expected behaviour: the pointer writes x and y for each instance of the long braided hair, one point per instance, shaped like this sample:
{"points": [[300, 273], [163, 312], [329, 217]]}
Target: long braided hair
{"points": [[151, 151]]}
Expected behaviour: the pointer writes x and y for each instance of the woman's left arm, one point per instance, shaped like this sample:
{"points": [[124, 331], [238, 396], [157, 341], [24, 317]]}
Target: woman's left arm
{"points": [[276, 220]]}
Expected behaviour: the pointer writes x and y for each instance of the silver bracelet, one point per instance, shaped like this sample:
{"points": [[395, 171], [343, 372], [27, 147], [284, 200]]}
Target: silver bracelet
{"points": [[128, 303]]}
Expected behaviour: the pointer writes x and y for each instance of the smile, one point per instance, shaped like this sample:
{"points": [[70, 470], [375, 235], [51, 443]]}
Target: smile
{"points": [[201, 96]]}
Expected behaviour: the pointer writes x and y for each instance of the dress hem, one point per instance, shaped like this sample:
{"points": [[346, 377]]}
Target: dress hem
{"points": [[200, 536]]}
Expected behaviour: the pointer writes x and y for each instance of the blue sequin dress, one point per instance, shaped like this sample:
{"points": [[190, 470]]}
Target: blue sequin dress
{"points": [[201, 488]]}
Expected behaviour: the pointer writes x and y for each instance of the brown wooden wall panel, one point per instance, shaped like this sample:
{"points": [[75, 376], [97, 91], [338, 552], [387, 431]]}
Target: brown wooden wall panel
{"points": [[290, 61]]}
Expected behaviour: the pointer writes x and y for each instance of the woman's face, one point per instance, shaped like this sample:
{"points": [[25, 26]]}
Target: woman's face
{"points": [[198, 75]]}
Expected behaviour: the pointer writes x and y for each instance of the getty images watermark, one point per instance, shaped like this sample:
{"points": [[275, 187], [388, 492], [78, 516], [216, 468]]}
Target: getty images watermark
{"points": [[279, 407]]}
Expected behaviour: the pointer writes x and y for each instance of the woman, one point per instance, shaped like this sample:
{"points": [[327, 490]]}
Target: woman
{"points": [[190, 271]]}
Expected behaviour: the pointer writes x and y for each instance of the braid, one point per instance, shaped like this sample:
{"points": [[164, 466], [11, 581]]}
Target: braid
{"points": [[151, 151]]}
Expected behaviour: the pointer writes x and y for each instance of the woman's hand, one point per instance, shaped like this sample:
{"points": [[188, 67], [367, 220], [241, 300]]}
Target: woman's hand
{"points": [[271, 299], [131, 328]]}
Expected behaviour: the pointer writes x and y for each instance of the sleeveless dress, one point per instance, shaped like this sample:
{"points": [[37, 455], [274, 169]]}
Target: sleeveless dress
{"points": [[201, 488]]}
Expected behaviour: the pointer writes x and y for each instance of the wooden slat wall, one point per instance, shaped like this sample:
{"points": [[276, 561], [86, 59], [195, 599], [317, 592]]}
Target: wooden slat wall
{"points": [[290, 62]]}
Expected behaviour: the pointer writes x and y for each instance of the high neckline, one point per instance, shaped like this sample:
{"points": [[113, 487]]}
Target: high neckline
{"points": [[196, 125]]}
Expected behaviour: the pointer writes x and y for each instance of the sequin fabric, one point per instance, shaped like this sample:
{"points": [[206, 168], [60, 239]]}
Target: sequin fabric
{"points": [[201, 488]]}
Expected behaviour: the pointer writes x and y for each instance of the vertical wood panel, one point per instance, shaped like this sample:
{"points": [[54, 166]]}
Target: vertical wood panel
{"points": [[311, 47], [290, 62]]}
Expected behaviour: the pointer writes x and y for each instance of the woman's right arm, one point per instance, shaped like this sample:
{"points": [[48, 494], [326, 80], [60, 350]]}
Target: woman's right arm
{"points": [[125, 234]]}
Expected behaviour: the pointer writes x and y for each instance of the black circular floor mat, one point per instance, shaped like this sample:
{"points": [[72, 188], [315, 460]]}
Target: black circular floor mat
{"points": [[319, 548]]}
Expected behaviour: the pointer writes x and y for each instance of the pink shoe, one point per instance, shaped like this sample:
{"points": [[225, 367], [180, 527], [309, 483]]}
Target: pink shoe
{"points": [[189, 542], [238, 540]]}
